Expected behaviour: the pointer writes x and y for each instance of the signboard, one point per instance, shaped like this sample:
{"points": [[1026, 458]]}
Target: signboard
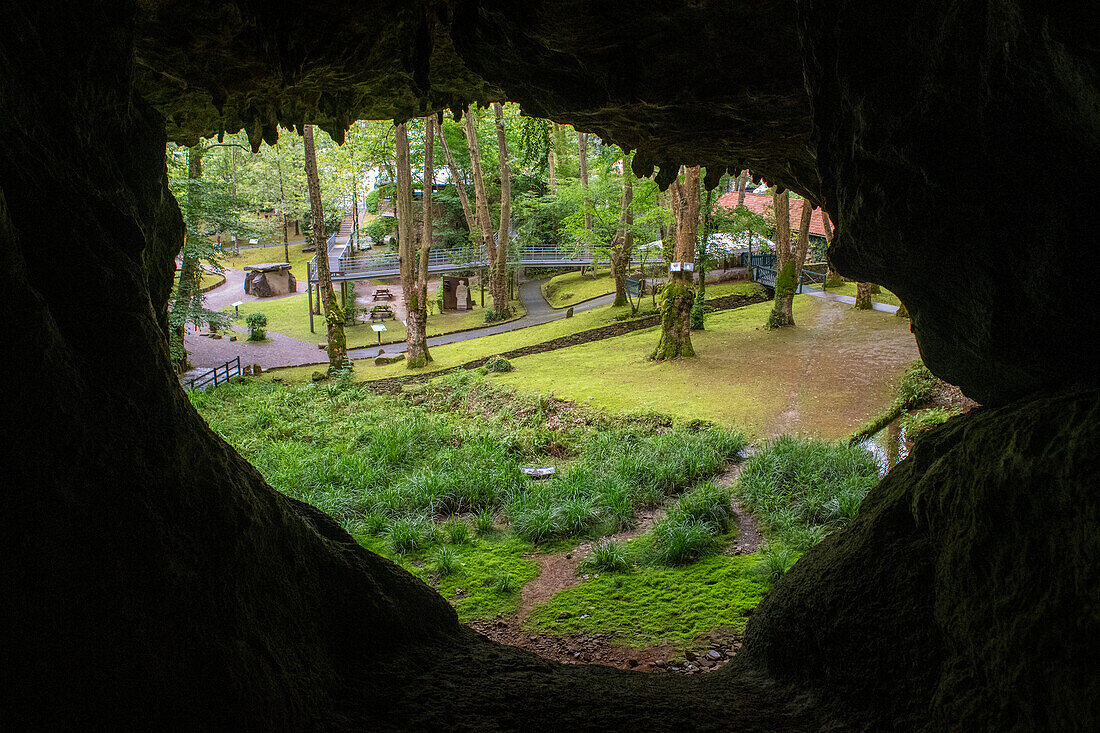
{"points": [[379, 327], [539, 472], [673, 266], [689, 267], [681, 266], [253, 241]]}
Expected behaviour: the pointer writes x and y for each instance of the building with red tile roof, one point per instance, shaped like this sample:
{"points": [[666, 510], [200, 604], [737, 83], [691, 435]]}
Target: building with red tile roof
{"points": [[761, 203]]}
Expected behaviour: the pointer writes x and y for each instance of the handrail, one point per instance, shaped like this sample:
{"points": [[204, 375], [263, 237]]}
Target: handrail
{"points": [[227, 370], [356, 265]]}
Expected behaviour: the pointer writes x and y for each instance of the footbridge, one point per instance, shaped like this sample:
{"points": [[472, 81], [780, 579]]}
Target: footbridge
{"points": [[363, 265]]}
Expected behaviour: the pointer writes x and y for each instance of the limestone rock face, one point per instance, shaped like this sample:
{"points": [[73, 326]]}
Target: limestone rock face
{"points": [[975, 557], [155, 580]]}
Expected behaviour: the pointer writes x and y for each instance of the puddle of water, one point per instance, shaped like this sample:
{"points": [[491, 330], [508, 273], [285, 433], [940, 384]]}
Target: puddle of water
{"points": [[888, 446]]}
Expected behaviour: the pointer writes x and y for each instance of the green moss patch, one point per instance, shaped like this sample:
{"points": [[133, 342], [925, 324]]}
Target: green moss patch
{"points": [[651, 605]]}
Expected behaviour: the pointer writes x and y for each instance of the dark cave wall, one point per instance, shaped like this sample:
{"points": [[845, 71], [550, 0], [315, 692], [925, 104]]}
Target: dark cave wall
{"points": [[958, 151], [925, 130], [966, 595], [153, 578]]}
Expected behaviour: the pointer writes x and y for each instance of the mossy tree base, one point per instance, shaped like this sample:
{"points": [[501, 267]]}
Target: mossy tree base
{"points": [[782, 315], [675, 341]]}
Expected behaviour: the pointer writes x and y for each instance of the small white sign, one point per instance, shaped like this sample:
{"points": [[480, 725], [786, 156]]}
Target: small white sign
{"points": [[379, 327], [539, 472], [238, 303], [689, 267], [673, 266], [253, 241]]}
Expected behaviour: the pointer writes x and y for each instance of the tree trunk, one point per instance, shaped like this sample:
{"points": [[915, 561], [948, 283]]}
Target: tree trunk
{"points": [[483, 222], [678, 294], [782, 314], [501, 303], [282, 205], [803, 245], [863, 296], [552, 158], [742, 184], [460, 187], [334, 314], [189, 286], [416, 297], [623, 248], [582, 151], [698, 308], [828, 227]]}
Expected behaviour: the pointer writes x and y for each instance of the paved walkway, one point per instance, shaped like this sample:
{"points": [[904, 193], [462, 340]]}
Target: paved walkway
{"points": [[819, 293], [538, 312], [206, 353]]}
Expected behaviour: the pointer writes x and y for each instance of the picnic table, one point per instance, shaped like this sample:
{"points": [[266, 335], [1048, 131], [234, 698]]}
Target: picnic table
{"points": [[383, 294], [381, 312]]}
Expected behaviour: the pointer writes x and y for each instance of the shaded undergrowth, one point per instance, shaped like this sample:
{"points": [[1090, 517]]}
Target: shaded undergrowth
{"points": [[800, 490], [432, 476]]}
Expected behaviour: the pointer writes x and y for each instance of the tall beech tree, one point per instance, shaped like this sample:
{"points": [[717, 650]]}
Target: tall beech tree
{"points": [[496, 246], [622, 247], [679, 294], [414, 270], [582, 152], [334, 314], [788, 264]]}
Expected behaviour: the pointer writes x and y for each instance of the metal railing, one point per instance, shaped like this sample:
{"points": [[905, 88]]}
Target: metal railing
{"points": [[217, 375], [358, 265], [766, 277]]}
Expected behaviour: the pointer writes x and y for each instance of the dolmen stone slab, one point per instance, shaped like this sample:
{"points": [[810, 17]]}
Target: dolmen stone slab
{"points": [[269, 279]]}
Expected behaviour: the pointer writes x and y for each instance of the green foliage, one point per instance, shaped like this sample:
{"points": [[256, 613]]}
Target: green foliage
{"points": [[607, 556], [917, 388], [379, 228], [678, 540], [784, 281], [456, 531], [915, 423], [370, 201], [483, 522], [409, 534], [774, 561], [650, 605], [446, 561], [257, 323], [804, 488], [498, 364]]}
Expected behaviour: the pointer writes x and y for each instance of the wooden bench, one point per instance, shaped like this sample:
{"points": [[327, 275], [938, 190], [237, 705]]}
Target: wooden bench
{"points": [[382, 294]]}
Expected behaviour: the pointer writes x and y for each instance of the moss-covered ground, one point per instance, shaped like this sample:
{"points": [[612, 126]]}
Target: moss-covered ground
{"points": [[489, 575], [827, 375], [650, 605], [431, 477], [572, 287], [452, 355]]}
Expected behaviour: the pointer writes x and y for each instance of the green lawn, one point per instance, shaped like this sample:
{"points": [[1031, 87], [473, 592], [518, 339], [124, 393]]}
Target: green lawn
{"points": [[298, 260], [885, 297], [290, 317], [452, 355], [655, 604], [571, 288], [827, 375]]}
